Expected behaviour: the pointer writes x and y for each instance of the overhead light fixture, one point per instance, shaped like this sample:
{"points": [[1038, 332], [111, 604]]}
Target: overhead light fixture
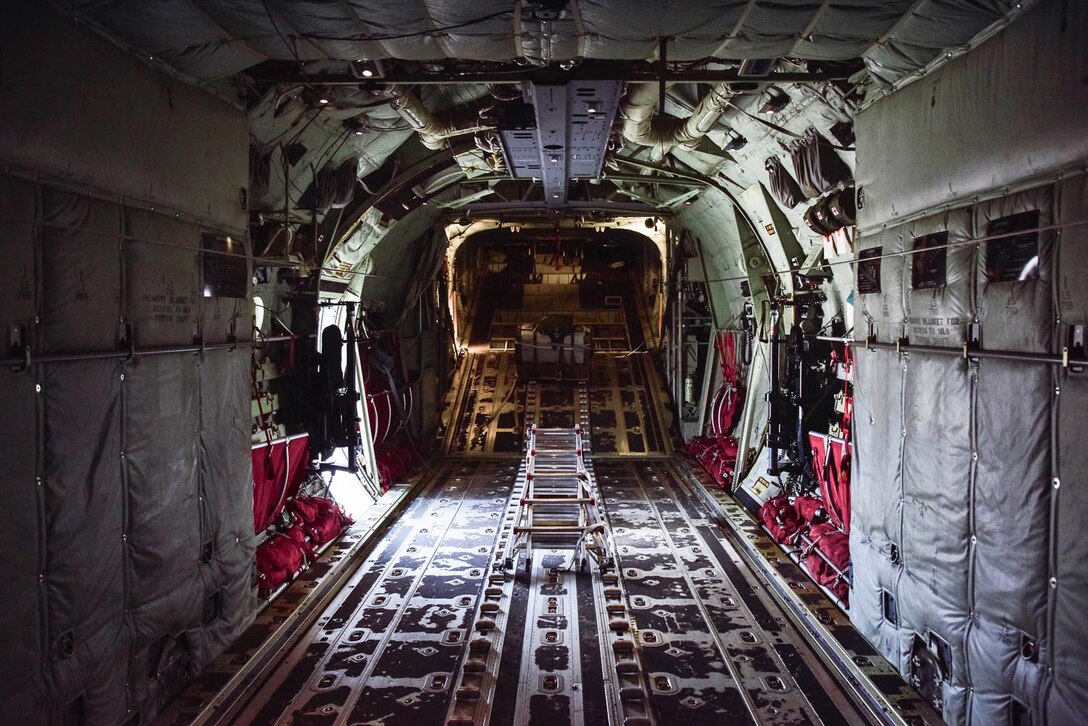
{"points": [[323, 101], [365, 69]]}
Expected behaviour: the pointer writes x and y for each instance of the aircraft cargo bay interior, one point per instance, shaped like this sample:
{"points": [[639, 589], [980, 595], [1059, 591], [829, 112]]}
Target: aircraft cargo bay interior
{"points": [[544, 362]]}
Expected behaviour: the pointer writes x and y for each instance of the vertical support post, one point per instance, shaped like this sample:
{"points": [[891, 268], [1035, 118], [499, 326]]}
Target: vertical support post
{"points": [[773, 429], [351, 373]]}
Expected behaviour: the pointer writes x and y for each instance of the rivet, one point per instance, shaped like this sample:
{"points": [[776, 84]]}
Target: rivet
{"points": [[1053, 583], [1055, 482], [974, 539]]}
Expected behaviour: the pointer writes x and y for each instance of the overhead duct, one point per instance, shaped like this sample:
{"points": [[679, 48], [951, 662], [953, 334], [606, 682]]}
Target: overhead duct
{"points": [[641, 124], [433, 131]]}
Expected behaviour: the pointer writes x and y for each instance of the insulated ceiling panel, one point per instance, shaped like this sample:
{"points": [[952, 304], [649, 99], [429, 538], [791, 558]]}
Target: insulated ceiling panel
{"points": [[217, 39]]}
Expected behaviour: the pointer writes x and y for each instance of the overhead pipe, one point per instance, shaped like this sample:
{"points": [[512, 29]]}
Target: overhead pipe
{"points": [[433, 131], [642, 125]]}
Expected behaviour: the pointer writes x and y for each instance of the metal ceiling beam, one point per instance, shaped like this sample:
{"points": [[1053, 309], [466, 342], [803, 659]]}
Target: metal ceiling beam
{"points": [[644, 73], [540, 209], [606, 176]]}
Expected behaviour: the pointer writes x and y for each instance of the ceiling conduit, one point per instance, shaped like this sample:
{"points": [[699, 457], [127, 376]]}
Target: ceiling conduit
{"points": [[642, 126], [433, 131]]}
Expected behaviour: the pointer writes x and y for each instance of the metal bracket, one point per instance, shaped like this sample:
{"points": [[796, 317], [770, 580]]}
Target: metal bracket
{"points": [[973, 342], [16, 339], [18, 345], [1075, 349], [126, 338], [870, 337]]}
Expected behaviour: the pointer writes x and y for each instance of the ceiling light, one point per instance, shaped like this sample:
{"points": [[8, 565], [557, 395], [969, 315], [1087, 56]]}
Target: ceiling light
{"points": [[591, 109], [365, 69], [323, 101]]}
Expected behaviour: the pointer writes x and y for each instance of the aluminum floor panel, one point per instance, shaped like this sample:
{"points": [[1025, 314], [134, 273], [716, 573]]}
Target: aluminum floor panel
{"points": [[710, 643], [387, 647]]}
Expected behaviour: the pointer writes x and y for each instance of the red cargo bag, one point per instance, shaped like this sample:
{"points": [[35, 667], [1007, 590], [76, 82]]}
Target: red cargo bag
{"points": [[781, 519], [830, 570], [320, 518]]}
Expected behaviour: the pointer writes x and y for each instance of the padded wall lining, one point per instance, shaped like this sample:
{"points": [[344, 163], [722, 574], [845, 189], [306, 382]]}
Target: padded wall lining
{"points": [[161, 405], [144, 513], [21, 535], [983, 528], [81, 275], [938, 315], [86, 578], [18, 278], [1010, 111], [885, 307], [1067, 701], [163, 281], [1017, 315]]}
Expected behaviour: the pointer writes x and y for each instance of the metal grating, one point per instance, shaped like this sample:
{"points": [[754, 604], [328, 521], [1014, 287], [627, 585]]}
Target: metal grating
{"points": [[565, 138]]}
